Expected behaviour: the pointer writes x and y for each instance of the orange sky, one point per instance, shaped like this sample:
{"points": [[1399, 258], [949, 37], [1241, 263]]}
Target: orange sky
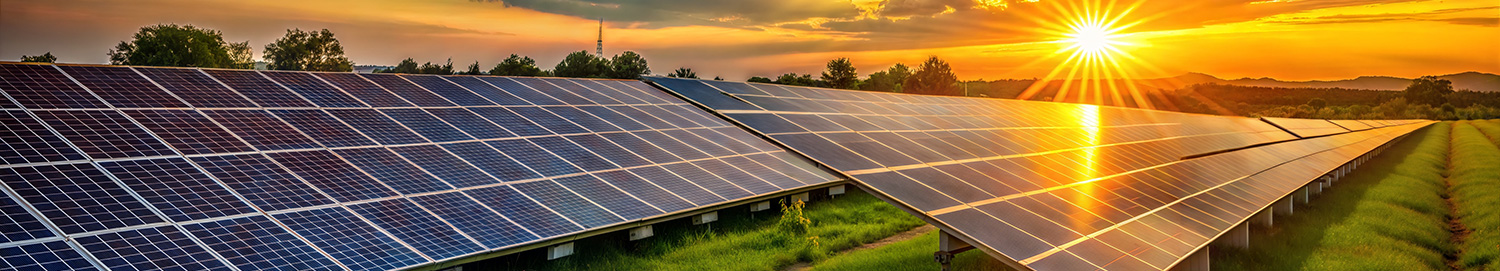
{"points": [[736, 39]]}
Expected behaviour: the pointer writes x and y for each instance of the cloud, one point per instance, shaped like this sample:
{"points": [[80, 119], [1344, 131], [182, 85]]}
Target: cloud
{"points": [[1431, 16]]}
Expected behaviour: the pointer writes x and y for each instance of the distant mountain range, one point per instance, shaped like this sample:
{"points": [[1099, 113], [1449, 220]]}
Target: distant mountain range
{"points": [[1475, 81]]}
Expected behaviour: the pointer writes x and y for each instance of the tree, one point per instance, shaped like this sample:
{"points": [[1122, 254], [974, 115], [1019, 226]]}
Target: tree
{"points": [[181, 46], [583, 65], [889, 80], [474, 69], [307, 51], [429, 68], [933, 77], [406, 66], [628, 65], [1428, 90], [516, 66], [716, 78], [47, 58], [841, 74], [683, 72], [759, 79], [796, 80], [1317, 102]]}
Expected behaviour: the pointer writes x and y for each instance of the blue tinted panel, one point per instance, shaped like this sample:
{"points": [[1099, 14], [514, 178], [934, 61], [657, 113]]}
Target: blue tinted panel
{"points": [[28, 141], [551, 90], [314, 89], [534, 157], [188, 131], [196, 88], [332, 175], [529, 214], [77, 197], [416, 227], [470, 123], [641, 147], [546, 119], [511, 121], [613, 199], [42, 86], [350, 240], [609, 91], [708, 181], [454, 93], [258, 88], [615, 118], [781, 181], [405, 89], [257, 243], [643, 190], [104, 134], [568, 204], [573, 153], [491, 229], [696, 91], [445, 166], [122, 87], [736, 176], [55, 255], [160, 248], [262, 182], [670, 182], [672, 145], [526, 93], [488, 91], [583, 119], [377, 126], [390, 169], [364, 90], [572, 87], [644, 118], [425, 124], [323, 127], [261, 129], [620, 156], [178, 189], [686, 137], [491, 161], [16, 224]]}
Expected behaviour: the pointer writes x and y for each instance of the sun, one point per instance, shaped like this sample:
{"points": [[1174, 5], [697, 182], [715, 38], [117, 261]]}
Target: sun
{"points": [[1093, 38], [1094, 41]]}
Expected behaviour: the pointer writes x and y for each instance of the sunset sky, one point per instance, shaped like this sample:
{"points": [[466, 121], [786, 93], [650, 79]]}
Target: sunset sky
{"points": [[736, 39]]}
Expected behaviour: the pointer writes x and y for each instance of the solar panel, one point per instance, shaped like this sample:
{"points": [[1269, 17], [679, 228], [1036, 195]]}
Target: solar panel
{"points": [[42, 86], [195, 87], [1047, 186], [232, 169]]}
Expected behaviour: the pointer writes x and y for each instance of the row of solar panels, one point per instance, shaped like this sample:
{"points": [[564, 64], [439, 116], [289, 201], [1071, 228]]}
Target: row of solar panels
{"points": [[1051, 186], [131, 168]]}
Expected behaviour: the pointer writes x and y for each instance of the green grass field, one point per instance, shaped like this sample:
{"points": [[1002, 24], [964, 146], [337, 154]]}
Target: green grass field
{"points": [[1475, 175], [751, 243]]}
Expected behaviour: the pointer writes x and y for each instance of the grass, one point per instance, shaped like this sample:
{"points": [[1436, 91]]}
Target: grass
{"points": [[745, 242], [1389, 215], [912, 254], [1476, 192]]}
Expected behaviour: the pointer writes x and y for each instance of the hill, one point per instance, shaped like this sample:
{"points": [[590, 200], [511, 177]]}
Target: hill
{"points": [[1475, 81]]}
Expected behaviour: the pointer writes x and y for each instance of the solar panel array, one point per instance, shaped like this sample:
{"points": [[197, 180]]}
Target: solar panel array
{"points": [[200, 169], [1049, 186]]}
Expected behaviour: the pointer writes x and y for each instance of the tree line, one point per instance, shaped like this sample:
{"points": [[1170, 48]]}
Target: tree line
{"points": [[934, 76]]}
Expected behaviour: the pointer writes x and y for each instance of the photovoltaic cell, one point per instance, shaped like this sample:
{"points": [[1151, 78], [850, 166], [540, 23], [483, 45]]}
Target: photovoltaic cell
{"points": [[257, 243], [392, 170], [178, 189], [28, 141], [18, 224], [550, 90], [490, 92], [407, 90], [511, 121], [332, 175], [545, 118], [159, 248], [349, 240], [55, 255], [488, 227], [666, 180], [188, 131], [313, 89], [573, 153], [583, 119], [42, 86], [324, 128], [611, 198], [377, 126], [538, 219], [122, 87], [445, 166], [262, 182], [531, 96], [641, 147], [448, 90], [429, 235], [196, 88], [425, 124], [368, 92], [261, 129], [588, 95], [491, 161], [104, 134], [644, 190], [77, 197], [568, 204], [534, 157], [259, 89], [469, 123]]}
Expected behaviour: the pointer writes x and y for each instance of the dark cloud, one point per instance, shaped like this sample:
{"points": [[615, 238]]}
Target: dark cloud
{"points": [[1432, 16]]}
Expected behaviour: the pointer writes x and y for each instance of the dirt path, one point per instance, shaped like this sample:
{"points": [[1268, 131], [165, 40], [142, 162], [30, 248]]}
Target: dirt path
{"points": [[1456, 227], [903, 236]]}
